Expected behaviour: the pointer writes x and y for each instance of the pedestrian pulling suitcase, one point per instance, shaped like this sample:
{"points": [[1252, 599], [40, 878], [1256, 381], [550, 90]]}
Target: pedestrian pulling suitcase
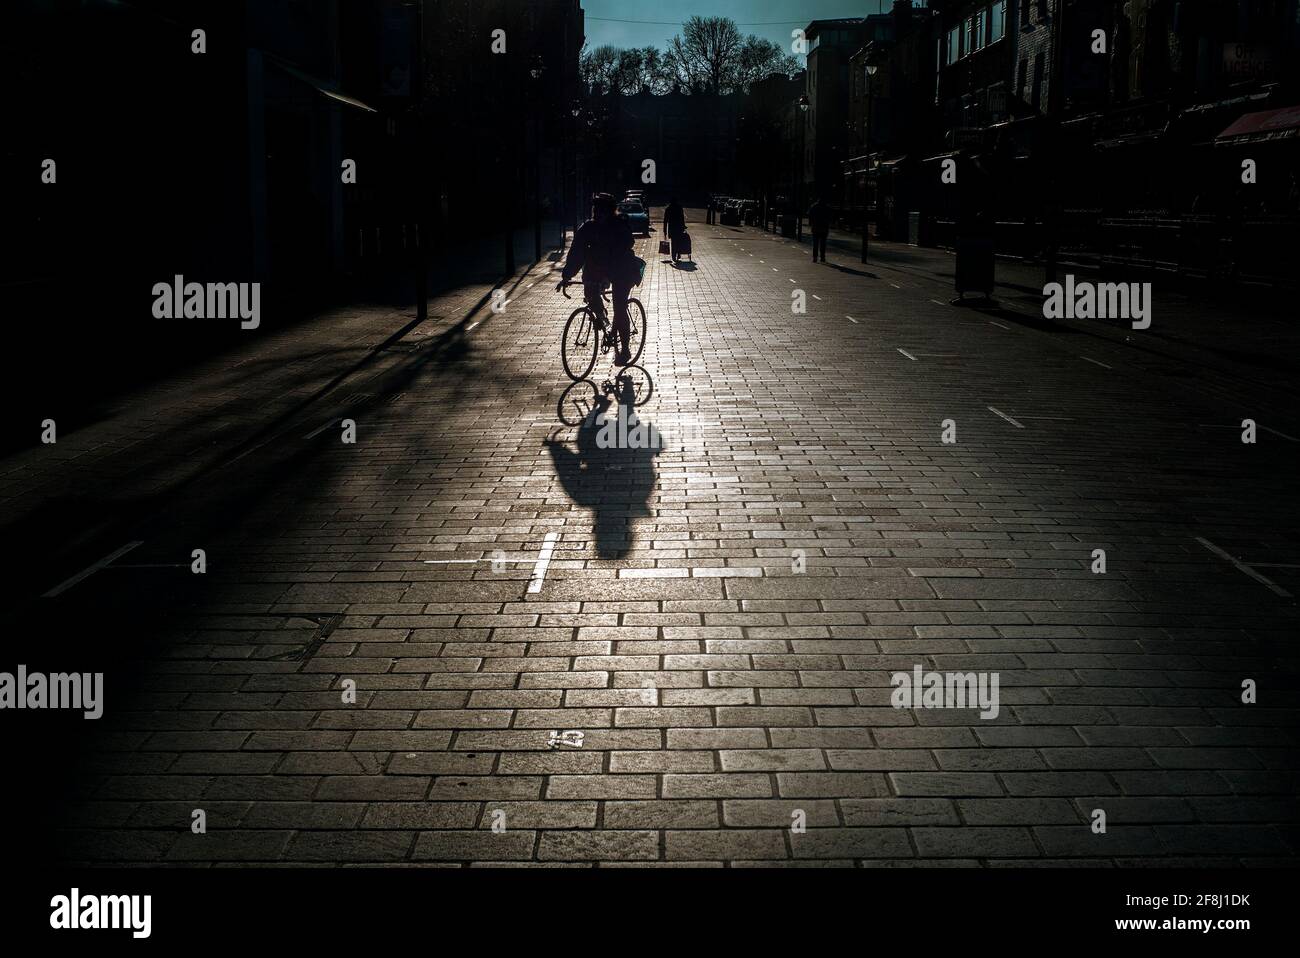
{"points": [[682, 246]]}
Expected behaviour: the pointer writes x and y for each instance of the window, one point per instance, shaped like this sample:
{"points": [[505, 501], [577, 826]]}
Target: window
{"points": [[1024, 13], [997, 21], [1038, 81], [1022, 78], [975, 32], [954, 44]]}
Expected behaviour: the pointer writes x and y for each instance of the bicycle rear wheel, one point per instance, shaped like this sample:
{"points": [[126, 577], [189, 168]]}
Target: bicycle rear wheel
{"points": [[579, 345], [638, 327]]}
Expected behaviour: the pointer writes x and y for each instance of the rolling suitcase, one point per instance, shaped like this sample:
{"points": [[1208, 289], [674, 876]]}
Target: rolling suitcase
{"points": [[682, 246]]}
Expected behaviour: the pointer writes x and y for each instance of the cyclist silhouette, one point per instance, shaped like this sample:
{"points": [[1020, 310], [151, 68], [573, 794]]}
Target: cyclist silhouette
{"points": [[602, 250]]}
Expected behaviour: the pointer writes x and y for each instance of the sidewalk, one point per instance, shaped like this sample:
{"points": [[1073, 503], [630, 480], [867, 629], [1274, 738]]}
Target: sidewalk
{"points": [[122, 456], [1244, 333]]}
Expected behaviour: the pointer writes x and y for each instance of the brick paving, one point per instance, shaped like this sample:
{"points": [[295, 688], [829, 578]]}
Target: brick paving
{"points": [[720, 617]]}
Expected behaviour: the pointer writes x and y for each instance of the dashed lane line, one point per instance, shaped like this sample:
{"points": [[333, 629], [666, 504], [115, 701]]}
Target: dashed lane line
{"points": [[999, 413], [543, 563]]}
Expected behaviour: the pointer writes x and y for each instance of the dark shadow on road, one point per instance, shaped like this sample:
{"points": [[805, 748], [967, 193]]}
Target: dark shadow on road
{"points": [[850, 270], [610, 470]]}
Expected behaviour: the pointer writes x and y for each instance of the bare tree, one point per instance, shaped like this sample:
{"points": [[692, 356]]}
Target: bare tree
{"points": [[759, 58], [708, 56], [704, 53], [599, 69], [641, 69], [711, 56]]}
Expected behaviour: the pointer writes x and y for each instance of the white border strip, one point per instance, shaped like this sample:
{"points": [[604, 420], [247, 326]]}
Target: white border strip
{"points": [[90, 570], [999, 413], [1272, 586]]}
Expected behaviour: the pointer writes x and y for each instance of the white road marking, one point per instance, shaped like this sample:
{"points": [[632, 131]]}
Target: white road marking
{"points": [[895, 285], [938, 302], [543, 562], [90, 570], [1282, 434], [1274, 587], [1095, 363], [907, 354], [999, 325], [851, 320], [999, 413], [316, 432], [816, 297]]}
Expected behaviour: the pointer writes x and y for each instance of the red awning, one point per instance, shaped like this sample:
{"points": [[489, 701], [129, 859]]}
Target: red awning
{"points": [[1264, 125]]}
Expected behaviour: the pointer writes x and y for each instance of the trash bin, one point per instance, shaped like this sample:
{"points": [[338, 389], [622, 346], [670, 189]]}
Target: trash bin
{"points": [[975, 263]]}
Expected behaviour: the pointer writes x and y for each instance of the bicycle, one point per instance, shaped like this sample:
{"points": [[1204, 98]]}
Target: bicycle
{"points": [[589, 333]]}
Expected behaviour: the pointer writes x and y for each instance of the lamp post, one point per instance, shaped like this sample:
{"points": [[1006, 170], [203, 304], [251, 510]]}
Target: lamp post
{"points": [[538, 68], [866, 173], [575, 111], [802, 103]]}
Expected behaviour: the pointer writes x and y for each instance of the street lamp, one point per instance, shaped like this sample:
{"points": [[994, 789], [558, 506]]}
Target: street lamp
{"points": [[535, 71], [803, 104], [866, 173]]}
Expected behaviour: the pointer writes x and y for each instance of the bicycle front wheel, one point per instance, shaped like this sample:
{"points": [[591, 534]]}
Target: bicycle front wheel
{"points": [[638, 328], [579, 345]]}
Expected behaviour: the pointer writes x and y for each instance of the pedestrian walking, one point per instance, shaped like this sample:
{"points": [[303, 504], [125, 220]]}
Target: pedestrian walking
{"points": [[675, 226], [819, 222]]}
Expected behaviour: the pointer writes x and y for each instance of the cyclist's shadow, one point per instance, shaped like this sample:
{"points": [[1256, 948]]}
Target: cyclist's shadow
{"points": [[610, 468]]}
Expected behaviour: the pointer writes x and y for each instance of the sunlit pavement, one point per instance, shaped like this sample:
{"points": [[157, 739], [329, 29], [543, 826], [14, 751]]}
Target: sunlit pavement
{"points": [[355, 680]]}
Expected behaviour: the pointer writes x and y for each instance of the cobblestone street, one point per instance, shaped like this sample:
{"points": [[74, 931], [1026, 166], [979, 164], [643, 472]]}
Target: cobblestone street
{"points": [[353, 680]]}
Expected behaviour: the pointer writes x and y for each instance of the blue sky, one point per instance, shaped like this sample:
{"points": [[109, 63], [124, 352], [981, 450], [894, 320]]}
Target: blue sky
{"points": [[773, 19]]}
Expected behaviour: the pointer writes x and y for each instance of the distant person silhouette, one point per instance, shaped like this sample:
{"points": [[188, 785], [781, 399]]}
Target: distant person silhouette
{"points": [[819, 222], [674, 223], [602, 249]]}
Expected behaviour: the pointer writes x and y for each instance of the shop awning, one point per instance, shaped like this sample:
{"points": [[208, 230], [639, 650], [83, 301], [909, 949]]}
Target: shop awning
{"points": [[1260, 127]]}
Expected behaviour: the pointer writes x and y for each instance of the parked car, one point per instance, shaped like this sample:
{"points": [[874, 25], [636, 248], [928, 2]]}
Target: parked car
{"points": [[637, 216], [730, 213]]}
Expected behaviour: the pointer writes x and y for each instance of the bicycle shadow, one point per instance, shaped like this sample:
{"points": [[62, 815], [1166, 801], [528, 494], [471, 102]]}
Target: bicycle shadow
{"points": [[610, 469]]}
